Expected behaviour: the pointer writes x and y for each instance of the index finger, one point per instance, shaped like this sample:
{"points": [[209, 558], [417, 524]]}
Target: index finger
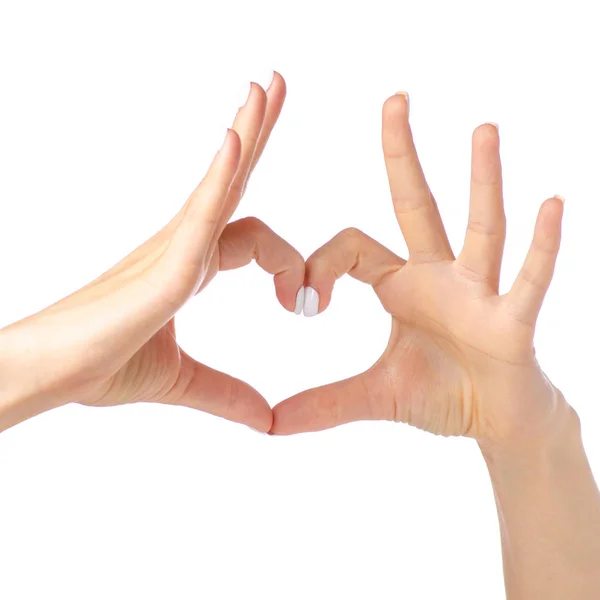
{"points": [[350, 252], [414, 205]]}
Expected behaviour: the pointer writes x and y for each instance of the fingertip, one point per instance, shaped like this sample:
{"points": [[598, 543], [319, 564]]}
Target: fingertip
{"points": [[255, 412], [256, 101], [256, 88], [285, 415], [278, 82], [311, 302], [556, 204], [276, 428], [289, 285], [228, 158], [397, 106], [487, 132], [551, 213], [291, 297], [232, 146]]}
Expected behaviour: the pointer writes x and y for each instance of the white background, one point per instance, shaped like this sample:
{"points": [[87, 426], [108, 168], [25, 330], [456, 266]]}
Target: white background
{"points": [[109, 115]]}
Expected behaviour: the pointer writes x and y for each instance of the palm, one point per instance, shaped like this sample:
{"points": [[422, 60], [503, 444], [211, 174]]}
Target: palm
{"points": [[159, 371], [460, 359], [447, 333]]}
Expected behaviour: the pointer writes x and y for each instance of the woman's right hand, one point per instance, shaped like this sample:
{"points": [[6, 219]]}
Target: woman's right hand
{"points": [[113, 341], [460, 360]]}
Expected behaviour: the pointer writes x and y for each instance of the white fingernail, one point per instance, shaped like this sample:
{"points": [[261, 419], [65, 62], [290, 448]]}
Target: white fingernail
{"points": [[242, 93], [311, 302], [299, 301], [263, 77]]}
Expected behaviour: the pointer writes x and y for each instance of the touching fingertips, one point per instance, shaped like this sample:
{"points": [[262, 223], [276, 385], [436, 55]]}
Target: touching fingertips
{"points": [[311, 302]]}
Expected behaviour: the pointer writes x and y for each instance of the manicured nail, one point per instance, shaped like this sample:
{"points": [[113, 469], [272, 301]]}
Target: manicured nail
{"points": [[493, 125], [264, 77], [299, 301], [311, 302], [405, 94], [560, 198]]}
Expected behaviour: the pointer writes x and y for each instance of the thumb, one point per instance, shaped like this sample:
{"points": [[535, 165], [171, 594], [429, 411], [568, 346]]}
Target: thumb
{"points": [[219, 394], [359, 398]]}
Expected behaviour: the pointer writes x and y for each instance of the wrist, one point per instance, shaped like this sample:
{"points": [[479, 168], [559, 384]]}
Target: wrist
{"points": [[557, 447], [20, 396]]}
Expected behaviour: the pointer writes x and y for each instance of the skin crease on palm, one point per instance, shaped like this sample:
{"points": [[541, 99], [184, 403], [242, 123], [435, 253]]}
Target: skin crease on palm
{"points": [[460, 360]]}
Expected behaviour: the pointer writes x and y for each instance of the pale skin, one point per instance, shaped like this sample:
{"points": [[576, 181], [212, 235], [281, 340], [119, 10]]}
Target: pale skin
{"points": [[460, 360], [114, 342]]}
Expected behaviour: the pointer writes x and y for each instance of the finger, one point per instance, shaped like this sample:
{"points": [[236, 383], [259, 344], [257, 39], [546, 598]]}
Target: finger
{"points": [[275, 98], [414, 205], [481, 255], [248, 124], [250, 239], [219, 394], [531, 285], [350, 251], [184, 262], [352, 399]]}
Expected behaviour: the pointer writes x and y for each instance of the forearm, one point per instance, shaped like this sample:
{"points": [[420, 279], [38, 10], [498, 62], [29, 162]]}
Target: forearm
{"points": [[21, 396], [549, 510]]}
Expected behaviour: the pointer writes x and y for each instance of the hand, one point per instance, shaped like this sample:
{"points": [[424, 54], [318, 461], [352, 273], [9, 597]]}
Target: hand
{"points": [[460, 360], [113, 341]]}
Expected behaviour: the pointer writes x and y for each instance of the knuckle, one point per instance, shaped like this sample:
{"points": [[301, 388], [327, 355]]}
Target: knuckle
{"points": [[492, 229], [545, 247], [470, 273], [534, 278], [253, 223], [404, 205], [351, 235]]}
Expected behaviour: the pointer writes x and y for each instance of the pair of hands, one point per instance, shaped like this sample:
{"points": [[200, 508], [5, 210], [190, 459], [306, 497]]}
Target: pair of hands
{"points": [[460, 360]]}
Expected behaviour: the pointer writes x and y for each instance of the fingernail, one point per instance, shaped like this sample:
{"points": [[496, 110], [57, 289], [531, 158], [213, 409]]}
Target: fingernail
{"points": [[311, 302], [299, 301], [263, 77], [560, 198], [405, 94], [493, 125], [242, 94]]}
